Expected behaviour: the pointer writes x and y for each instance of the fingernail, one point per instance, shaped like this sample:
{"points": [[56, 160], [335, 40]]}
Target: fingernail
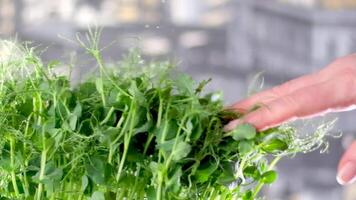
{"points": [[347, 174], [230, 126]]}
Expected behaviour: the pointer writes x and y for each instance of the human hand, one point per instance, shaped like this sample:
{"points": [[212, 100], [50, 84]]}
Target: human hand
{"points": [[329, 90], [347, 166]]}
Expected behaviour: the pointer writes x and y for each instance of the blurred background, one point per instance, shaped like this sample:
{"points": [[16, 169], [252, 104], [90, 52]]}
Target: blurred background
{"points": [[227, 40]]}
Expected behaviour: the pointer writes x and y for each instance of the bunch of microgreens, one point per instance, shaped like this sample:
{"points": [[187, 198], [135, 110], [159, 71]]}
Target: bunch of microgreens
{"points": [[136, 131]]}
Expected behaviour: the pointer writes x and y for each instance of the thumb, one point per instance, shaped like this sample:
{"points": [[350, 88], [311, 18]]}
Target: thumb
{"points": [[347, 166]]}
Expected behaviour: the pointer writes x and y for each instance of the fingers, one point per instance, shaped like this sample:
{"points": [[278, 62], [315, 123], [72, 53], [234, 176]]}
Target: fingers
{"points": [[276, 92], [301, 103], [347, 166], [344, 65]]}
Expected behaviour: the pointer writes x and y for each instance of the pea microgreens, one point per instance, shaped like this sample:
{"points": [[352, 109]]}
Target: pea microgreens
{"points": [[137, 131]]}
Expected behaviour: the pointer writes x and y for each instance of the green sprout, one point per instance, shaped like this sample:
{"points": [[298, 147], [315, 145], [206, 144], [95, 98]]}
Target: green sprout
{"points": [[137, 131]]}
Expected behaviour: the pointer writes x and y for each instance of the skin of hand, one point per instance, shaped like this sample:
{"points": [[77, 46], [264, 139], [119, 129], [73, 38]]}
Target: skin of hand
{"points": [[332, 89]]}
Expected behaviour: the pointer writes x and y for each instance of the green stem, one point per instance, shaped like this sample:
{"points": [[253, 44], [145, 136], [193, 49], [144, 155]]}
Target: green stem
{"points": [[99, 59], [168, 162], [127, 140], [119, 123], [26, 185], [163, 138], [111, 153], [160, 181], [13, 174], [42, 173], [159, 191], [112, 109], [260, 184], [164, 131], [103, 99], [121, 195], [160, 110], [111, 149], [43, 164], [149, 140], [38, 108]]}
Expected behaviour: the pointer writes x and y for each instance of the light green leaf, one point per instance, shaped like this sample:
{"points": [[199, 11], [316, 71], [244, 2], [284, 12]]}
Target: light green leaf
{"points": [[156, 168], [52, 174], [97, 195], [5, 164], [73, 119], [99, 85], [134, 91], [174, 180], [189, 127], [185, 84], [77, 110], [245, 146], [244, 131], [181, 151], [85, 182]]}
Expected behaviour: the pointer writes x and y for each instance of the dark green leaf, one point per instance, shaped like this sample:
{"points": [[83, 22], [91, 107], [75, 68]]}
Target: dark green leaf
{"points": [[151, 193], [96, 169], [274, 145], [252, 171], [168, 128], [205, 170], [134, 156], [227, 176], [248, 196], [26, 107], [269, 177]]}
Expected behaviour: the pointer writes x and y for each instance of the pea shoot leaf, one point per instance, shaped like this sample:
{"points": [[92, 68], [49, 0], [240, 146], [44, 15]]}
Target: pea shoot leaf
{"points": [[97, 195], [244, 131], [269, 177]]}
